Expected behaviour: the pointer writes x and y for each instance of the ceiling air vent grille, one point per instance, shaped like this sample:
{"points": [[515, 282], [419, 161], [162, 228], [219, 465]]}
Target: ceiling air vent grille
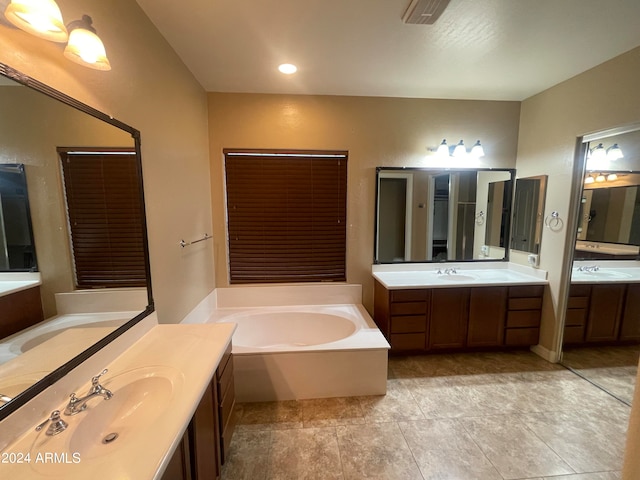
{"points": [[424, 12]]}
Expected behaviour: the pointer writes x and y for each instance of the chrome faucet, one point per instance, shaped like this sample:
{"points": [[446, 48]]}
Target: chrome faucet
{"points": [[588, 268], [77, 405], [4, 398], [447, 271]]}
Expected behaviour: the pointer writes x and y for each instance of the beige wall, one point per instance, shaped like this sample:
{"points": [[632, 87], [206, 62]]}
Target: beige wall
{"points": [[150, 89], [387, 132], [603, 97]]}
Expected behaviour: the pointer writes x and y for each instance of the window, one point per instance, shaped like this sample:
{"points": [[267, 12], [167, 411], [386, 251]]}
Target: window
{"points": [[105, 213], [286, 216]]}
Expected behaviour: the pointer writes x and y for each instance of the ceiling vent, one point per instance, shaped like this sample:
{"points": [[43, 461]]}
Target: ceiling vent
{"points": [[424, 12]]}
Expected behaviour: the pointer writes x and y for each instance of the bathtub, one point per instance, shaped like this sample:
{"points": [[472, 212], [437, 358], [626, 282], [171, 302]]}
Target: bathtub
{"points": [[21, 342], [298, 351]]}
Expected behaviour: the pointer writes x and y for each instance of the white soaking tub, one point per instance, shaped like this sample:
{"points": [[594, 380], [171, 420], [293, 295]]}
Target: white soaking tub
{"points": [[297, 351]]}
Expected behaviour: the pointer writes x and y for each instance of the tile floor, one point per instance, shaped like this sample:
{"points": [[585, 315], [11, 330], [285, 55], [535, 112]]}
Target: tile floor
{"points": [[456, 417], [612, 368]]}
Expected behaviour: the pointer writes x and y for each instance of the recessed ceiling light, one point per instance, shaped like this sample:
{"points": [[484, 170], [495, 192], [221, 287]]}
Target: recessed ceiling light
{"points": [[288, 68]]}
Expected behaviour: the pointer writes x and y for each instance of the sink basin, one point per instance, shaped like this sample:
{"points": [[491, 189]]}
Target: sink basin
{"points": [[457, 277], [13, 385], [602, 274], [140, 398]]}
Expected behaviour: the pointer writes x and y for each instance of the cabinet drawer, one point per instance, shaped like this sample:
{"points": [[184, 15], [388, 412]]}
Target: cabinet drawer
{"points": [[226, 406], [531, 303], [579, 290], [578, 302], [523, 318], [409, 324], [226, 380], [526, 291], [521, 336], [409, 308], [409, 295], [408, 341], [223, 362]]}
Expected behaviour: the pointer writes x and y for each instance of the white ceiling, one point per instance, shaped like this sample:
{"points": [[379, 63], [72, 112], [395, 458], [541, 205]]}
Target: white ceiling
{"points": [[478, 49]]}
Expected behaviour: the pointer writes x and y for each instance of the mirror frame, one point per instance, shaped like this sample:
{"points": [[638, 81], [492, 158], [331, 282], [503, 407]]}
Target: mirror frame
{"points": [[38, 387], [507, 247]]}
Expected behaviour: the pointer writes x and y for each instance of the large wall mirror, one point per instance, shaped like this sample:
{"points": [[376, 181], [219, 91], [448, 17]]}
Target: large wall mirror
{"points": [[601, 339], [440, 215], [528, 209], [35, 123]]}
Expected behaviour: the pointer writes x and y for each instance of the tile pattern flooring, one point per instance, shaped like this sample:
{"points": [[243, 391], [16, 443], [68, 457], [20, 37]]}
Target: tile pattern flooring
{"points": [[459, 417], [612, 368]]}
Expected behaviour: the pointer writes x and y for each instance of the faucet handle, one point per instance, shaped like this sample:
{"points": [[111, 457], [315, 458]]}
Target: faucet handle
{"points": [[57, 424], [95, 380]]}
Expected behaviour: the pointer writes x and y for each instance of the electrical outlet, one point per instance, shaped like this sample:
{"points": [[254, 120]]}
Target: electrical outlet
{"points": [[533, 260]]}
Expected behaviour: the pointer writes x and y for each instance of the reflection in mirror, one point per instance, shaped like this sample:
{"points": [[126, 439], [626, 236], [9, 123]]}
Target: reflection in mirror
{"points": [[601, 339], [17, 249], [528, 209], [438, 215], [35, 123], [609, 217]]}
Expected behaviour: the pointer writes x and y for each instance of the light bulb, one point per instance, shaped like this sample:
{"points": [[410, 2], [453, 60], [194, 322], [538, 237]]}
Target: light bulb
{"points": [[41, 18], [443, 149], [614, 152], [459, 151], [288, 68], [85, 47], [599, 153], [477, 151]]}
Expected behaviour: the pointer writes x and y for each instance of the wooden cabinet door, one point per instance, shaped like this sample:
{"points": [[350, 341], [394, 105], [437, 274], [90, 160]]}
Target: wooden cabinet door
{"points": [[487, 310], [205, 437], [179, 467], [605, 310], [630, 326], [449, 318]]}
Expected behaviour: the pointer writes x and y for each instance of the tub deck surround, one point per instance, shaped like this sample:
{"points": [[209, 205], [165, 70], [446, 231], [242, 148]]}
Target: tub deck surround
{"points": [[478, 274], [11, 282], [21, 342], [302, 341], [192, 350]]}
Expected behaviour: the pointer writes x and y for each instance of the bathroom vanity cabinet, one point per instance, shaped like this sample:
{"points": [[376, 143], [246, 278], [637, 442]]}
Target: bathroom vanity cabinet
{"points": [[458, 318], [205, 444], [602, 313], [20, 310]]}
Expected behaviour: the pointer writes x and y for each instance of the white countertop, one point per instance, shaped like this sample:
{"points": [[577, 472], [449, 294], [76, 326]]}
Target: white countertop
{"points": [[479, 274], [607, 272], [14, 282], [193, 350]]}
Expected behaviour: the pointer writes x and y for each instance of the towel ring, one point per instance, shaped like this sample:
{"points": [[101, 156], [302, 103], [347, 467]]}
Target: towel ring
{"points": [[554, 222]]}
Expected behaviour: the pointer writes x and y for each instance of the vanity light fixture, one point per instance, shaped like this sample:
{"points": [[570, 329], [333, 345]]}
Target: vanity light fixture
{"points": [[41, 18], [612, 177], [589, 180], [444, 151], [85, 47], [600, 178], [599, 153]]}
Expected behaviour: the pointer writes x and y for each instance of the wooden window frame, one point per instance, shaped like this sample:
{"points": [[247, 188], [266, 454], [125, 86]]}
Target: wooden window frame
{"points": [[108, 244], [286, 215]]}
